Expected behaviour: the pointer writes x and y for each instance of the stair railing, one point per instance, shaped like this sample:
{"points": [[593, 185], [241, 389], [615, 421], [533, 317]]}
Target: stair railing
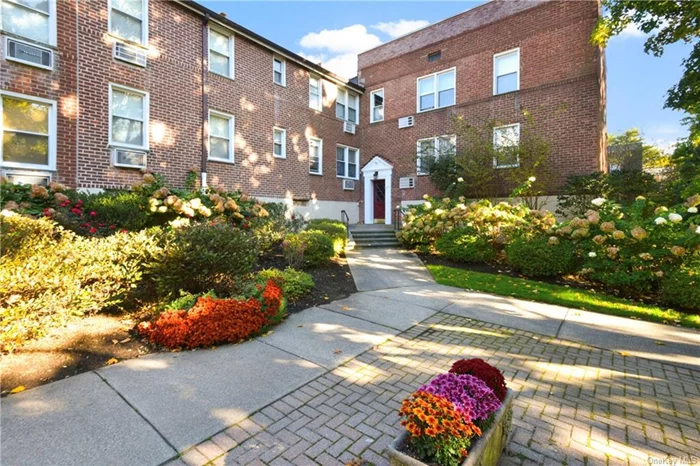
{"points": [[345, 219], [397, 218]]}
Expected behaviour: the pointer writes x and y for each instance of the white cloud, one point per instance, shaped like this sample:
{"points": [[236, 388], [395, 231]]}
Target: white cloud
{"points": [[351, 39], [401, 27], [631, 31], [344, 64]]}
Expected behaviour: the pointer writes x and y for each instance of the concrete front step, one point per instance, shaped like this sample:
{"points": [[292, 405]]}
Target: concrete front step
{"points": [[389, 234], [376, 244]]}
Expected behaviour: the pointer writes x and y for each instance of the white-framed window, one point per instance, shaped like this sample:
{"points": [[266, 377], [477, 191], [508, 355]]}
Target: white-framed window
{"points": [[347, 106], [279, 71], [432, 148], [28, 131], [315, 93], [279, 142], [221, 53], [376, 99], [128, 20], [505, 141], [221, 136], [347, 160], [506, 72], [436, 90], [128, 117], [31, 19], [316, 156]]}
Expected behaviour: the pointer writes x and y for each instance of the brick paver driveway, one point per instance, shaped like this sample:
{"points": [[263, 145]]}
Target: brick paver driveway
{"points": [[575, 404]]}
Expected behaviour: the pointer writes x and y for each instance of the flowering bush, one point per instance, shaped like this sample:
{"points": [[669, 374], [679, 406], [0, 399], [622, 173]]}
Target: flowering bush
{"points": [[213, 321], [439, 432], [484, 371], [444, 415], [469, 395], [496, 223], [542, 255]]}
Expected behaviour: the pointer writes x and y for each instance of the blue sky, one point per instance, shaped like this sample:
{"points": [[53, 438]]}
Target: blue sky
{"points": [[334, 32]]}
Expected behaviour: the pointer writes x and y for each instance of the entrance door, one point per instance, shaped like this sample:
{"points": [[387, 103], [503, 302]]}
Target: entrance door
{"points": [[379, 187]]}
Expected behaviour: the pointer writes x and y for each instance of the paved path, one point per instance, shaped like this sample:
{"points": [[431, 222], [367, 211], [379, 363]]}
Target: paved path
{"points": [[326, 382]]}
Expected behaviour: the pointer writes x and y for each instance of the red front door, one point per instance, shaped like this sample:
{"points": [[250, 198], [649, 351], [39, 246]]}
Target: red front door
{"points": [[379, 200]]}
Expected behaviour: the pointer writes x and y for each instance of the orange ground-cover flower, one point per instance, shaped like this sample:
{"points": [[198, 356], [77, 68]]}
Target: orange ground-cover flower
{"points": [[214, 321]]}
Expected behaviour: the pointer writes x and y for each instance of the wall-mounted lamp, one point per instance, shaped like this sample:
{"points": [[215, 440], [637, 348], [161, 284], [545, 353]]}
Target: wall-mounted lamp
{"points": [[376, 175]]}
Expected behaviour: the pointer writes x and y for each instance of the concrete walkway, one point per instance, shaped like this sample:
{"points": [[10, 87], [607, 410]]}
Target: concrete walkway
{"points": [[151, 409]]}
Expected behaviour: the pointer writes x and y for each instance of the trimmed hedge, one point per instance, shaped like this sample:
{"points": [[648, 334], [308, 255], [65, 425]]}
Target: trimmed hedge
{"points": [[464, 245], [311, 248], [335, 229], [541, 256], [295, 283]]}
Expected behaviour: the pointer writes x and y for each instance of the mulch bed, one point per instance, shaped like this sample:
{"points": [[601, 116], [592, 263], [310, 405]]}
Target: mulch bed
{"points": [[92, 342]]}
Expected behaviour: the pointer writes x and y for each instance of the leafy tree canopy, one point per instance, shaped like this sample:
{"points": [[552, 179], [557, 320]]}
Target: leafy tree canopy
{"points": [[652, 156]]}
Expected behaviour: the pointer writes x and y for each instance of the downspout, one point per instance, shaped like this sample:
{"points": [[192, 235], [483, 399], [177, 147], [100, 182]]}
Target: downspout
{"points": [[205, 101]]}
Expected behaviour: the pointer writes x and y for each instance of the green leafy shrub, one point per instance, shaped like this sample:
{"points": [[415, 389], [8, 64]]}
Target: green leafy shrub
{"points": [[50, 275], [186, 300], [681, 286], [203, 257], [311, 248], [542, 256], [335, 229], [295, 283], [464, 245], [125, 209]]}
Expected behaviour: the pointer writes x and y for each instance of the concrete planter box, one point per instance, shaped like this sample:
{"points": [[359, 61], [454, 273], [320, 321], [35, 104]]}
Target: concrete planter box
{"points": [[485, 451]]}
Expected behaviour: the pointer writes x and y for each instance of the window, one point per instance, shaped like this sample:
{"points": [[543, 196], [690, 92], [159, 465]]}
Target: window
{"points": [[506, 72], [128, 19], [315, 156], [435, 56], [347, 159], [347, 106], [376, 99], [505, 142], [128, 115], [32, 19], [221, 136], [279, 143], [436, 90], [431, 148], [279, 71], [315, 93], [221, 54], [28, 131]]}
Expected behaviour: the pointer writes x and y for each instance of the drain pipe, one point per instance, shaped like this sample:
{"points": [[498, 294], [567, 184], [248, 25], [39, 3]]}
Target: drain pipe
{"points": [[205, 101]]}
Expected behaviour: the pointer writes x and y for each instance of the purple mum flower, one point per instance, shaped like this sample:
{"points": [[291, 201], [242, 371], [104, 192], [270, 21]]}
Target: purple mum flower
{"points": [[469, 394]]}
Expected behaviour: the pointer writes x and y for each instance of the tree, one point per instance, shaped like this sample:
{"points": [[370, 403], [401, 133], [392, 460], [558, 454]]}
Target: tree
{"points": [[666, 22], [652, 156]]}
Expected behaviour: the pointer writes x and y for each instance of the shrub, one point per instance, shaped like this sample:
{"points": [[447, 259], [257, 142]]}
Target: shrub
{"points": [[295, 283], [335, 229], [542, 256], [186, 301], [464, 245], [204, 257], [124, 209], [438, 431], [311, 248], [484, 371], [681, 287], [215, 321], [51, 275]]}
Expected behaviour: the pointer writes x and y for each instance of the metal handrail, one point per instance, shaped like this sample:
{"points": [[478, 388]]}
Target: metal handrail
{"points": [[397, 217], [345, 219]]}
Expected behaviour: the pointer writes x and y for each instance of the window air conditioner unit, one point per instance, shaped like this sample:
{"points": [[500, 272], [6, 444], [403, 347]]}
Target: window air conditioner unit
{"points": [[129, 158], [407, 182], [349, 127], [20, 178], [129, 53], [348, 185], [406, 122], [30, 54]]}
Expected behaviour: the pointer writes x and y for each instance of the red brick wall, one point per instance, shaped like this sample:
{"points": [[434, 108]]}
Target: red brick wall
{"points": [[58, 84], [560, 83]]}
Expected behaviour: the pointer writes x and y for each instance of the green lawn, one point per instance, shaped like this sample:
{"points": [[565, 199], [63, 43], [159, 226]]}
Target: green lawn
{"points": [[558, 294]]}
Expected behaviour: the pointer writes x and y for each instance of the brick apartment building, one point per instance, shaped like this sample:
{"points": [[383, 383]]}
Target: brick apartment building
{"points": [[93, 91]]}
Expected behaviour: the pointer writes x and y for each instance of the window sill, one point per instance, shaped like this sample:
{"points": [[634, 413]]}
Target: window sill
{"points": [[112, 145], [26, 166], [281, 157], [499, 167], [347, 178], [434, 109], [230, 162], [133, 167], [315, 174], [279, 84], [377, 121], [116, 38], [29, 41], [230, 78], [505, 93]]}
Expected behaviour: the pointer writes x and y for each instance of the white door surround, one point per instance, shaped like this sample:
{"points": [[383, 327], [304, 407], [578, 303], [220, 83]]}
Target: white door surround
{"points": [[377, 169]]}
